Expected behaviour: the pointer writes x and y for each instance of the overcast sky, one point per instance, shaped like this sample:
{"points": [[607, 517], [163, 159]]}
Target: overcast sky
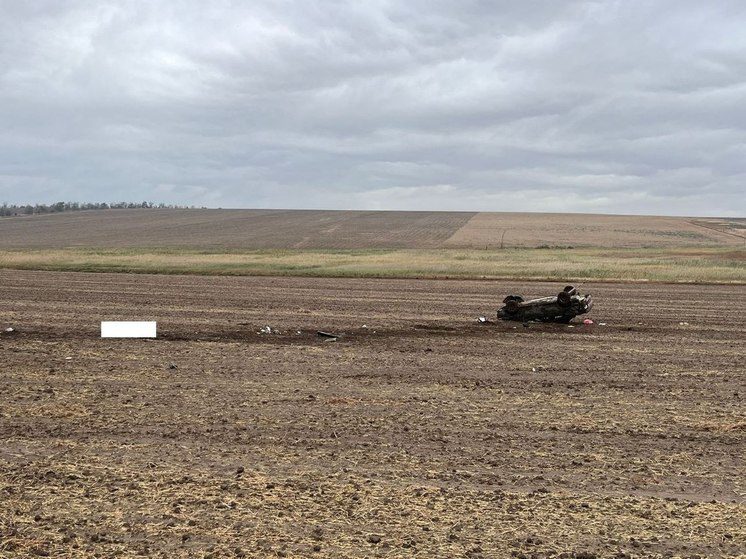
{"points": [[609, 106]]}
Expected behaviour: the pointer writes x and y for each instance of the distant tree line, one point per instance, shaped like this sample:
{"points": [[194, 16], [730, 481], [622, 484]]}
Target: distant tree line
{"points": [[7, 210]]}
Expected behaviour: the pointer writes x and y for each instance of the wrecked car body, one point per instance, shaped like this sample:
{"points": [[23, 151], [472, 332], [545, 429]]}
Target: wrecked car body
{"points": [[563, 307]]}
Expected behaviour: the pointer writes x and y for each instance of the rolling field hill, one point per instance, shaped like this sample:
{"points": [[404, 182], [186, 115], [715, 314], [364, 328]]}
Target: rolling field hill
{"points": [[233, 229], [312, 229], [563, 247]]}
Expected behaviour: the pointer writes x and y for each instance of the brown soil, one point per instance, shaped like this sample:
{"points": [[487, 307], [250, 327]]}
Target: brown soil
{"points": [[423, 434], [311, 229], [232, 229]]}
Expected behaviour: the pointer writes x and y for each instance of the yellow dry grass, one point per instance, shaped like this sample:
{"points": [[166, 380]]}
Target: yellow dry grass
{"points": [[694, 265]]}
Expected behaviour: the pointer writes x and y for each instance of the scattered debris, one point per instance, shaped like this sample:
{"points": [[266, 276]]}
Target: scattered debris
{"points": [[484, 320], [268, 330], [173, 366], [327, 335], [9, 330], [683, 324], [602, 324], [560, 308], [587, 321], [68, 358], [365, 325]]}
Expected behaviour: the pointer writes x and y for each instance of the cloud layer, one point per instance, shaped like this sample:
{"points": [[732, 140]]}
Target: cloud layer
{"points": [[608, 106]]}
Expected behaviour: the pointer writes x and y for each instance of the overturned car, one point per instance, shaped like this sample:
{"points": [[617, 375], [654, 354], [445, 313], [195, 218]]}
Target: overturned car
{"points": [[562, 307]]}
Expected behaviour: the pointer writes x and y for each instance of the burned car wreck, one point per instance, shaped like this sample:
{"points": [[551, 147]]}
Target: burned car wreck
{"points": [[562, 307]]}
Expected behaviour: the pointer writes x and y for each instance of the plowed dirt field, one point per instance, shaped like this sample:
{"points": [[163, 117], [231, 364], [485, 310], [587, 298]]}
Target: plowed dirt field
{"points": [[211, 229], [419, 432]]}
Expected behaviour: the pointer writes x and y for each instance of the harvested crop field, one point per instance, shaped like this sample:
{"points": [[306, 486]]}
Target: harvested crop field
{"points": [[491, 230], [330, 230], [419, 432]]}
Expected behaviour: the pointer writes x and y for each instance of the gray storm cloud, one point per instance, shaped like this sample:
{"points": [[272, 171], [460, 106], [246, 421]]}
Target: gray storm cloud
{"points": [[609, 106]]}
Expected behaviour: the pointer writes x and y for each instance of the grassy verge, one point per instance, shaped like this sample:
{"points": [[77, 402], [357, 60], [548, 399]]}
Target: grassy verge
{"points": [[701, 265]]}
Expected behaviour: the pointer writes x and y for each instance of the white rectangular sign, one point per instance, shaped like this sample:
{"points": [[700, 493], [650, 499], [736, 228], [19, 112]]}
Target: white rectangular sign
{"points": [[128, 329]]}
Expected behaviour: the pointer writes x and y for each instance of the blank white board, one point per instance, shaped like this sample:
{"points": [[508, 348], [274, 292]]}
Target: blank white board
{"points": [[117, 329]]}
